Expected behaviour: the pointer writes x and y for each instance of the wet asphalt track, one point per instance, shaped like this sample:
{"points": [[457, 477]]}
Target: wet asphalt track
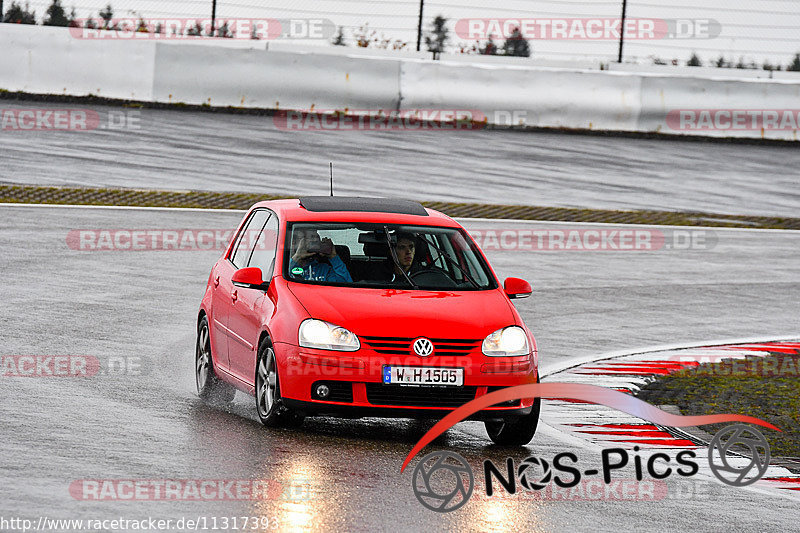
{"points": [[223, 152], [152, 426]]}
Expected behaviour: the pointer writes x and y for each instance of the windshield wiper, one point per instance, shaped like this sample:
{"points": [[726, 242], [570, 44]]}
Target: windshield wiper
{"points": [[393, 253], [442, 253]]}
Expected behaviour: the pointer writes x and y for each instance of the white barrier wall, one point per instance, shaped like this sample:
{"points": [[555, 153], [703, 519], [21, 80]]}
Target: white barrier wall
{"points": [[662, 96], [553, 98], [275, 80], [48, 60]]}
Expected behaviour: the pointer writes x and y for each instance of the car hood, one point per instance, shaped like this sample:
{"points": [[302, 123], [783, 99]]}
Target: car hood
{"points": [[408, 313]]}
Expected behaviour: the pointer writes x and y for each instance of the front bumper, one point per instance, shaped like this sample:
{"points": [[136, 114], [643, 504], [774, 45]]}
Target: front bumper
{"points": [[358, 379]]}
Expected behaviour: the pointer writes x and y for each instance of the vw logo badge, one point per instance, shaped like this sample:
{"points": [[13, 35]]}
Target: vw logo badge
{"points": [[423, 347]]}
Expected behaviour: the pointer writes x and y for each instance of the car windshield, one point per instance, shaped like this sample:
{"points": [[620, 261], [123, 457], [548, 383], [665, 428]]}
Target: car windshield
{"points": [[384, 256]]}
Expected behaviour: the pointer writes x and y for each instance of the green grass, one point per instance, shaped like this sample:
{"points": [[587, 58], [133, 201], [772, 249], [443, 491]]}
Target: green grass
{"points": [[767, 388]]}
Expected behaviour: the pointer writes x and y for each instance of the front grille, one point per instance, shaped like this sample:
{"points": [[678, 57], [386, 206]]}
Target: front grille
{"points": [[380, 394], [510, 403], [402, 345]]}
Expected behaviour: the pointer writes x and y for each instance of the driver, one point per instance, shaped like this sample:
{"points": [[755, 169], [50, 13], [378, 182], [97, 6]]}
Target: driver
{"points": [[405, 248], [308, 255]]}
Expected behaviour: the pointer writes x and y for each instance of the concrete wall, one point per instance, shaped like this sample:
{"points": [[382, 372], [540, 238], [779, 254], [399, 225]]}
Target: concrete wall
{"points": [[255, 78], [51, 61]]}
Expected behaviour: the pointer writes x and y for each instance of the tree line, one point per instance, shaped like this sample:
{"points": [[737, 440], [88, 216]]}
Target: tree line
{"points": [[437, 39]]}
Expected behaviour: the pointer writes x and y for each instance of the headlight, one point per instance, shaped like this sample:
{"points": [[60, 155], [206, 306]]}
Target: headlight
{"points": [[506, 342], [318, 334]]}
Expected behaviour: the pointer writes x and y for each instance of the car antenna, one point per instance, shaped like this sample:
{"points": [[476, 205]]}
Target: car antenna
{"points": [[331, 163]]}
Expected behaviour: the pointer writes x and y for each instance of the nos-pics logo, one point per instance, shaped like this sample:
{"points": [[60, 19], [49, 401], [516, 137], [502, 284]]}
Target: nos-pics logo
{"points": [[443, 481]]}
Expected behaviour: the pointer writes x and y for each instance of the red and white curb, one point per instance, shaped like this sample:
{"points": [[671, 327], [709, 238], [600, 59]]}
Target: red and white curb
{"points": [[601, 427]]}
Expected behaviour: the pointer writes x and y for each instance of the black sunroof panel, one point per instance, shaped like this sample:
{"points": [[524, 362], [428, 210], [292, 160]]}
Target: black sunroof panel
{"points": [[355, 203]]}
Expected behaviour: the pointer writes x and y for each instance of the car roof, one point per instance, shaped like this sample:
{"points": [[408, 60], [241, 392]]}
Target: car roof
{"points": [[357, 209]]}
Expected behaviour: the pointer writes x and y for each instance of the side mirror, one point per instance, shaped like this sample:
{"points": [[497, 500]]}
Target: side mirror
{"points": [[517, 288], [249, 278]]}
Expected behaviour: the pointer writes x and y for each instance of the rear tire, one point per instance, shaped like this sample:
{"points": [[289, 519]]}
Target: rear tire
{"points": [[269, 404], [516, 431], [209, 387]]}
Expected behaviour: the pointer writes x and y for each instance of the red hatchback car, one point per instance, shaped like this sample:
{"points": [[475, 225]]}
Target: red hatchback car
{"points": [[342, 306]]}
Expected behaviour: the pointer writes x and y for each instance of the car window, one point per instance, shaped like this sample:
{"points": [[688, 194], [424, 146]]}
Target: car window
{"points": [[246, 240], [439, 261], [344, 237], [263, 255], [468, 260], [359, 254]]}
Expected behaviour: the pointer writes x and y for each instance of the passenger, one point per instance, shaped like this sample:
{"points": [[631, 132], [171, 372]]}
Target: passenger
{"points": [[308, 257]]}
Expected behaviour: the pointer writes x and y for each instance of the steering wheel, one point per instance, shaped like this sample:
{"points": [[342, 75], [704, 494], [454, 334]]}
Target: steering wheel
{"points": [[433, 277]]}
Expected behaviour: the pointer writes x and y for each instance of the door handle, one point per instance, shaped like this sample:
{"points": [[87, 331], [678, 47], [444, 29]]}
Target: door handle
{"points": [[216, 281], [234, 295]]}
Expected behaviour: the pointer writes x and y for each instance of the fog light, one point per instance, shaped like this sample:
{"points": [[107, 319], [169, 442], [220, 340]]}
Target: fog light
{"points": [[323, 391]]}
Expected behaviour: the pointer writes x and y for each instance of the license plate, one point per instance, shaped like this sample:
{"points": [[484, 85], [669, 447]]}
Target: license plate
{"points": [[423, 375]]}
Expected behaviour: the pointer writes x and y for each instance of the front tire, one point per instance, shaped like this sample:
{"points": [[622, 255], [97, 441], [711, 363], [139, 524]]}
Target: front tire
{"points": [[516, 431], [269, 405], [209, 387]]}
